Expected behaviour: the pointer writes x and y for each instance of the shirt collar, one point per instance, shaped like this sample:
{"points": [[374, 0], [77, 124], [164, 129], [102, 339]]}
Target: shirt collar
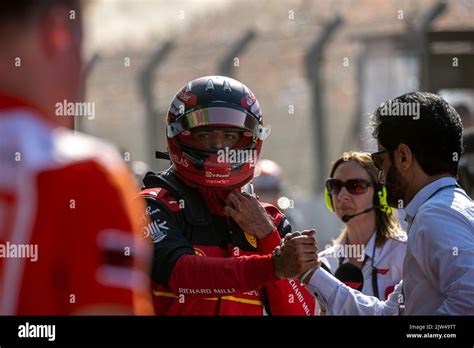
{"points": [[369, 247], [422, 195]]}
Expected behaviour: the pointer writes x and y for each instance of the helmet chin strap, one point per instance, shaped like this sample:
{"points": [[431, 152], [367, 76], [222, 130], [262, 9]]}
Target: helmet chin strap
{"points": [[162, 155]]}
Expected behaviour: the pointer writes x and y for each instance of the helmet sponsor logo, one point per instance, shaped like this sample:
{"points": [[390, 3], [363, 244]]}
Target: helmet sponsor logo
{"points": [[177, 107], [179, 160], [250, 103], [217, 181], [248, 100], [183, 100], [216, 175], [187, 97]]}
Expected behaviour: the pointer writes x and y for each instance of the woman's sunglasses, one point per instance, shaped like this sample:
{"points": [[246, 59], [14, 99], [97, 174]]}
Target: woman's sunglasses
{"points": [[353, 186]]}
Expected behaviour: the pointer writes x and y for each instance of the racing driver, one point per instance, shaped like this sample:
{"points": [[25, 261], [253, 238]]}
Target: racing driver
{"points": [[212, 238]]}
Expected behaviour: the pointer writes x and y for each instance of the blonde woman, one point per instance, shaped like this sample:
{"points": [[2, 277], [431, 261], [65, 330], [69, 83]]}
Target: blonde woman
{"points": [[368, 253]]}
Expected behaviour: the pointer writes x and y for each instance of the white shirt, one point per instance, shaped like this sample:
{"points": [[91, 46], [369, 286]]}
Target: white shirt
{"points": [[438, 269], [388, 261]]}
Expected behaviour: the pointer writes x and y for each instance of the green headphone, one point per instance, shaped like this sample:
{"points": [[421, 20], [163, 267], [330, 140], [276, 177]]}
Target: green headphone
{"points": [[381, 194]]}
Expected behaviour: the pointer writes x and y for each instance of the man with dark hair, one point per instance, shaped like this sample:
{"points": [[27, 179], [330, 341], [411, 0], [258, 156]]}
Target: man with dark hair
{"points": [[432, 131], [419, 137]]}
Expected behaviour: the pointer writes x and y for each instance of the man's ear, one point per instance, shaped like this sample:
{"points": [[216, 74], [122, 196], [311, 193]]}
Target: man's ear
{"points": [[404, 157]]}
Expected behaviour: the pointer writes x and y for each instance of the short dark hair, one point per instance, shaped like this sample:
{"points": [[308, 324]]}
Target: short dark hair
{"points": [[434, 135]]}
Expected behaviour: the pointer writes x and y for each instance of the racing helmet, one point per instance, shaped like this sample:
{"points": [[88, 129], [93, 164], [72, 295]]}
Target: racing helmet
{"points": [[215, 104]]}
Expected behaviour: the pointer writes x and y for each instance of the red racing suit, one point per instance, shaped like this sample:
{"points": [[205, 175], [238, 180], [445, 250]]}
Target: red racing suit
{"points": [[204, 264], [66, 238]]}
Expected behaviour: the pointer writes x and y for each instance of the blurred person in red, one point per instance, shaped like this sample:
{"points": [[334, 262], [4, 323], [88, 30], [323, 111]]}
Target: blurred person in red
{"points": [[213, 240], [269, 186], [68, 231]]}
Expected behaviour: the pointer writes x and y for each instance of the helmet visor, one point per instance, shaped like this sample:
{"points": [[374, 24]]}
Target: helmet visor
{"points": [[215, 138], [215, 117]]}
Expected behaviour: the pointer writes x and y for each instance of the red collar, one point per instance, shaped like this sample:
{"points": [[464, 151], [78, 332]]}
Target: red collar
{"points": [[215, 199]]}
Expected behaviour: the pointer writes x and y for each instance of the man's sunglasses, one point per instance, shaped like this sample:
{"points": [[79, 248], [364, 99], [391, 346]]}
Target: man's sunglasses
{"points": [[353, 186], [377, 159]]}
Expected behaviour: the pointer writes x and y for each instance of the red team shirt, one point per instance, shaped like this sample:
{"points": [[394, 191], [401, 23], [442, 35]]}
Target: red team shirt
{"points": [[67, 228]]}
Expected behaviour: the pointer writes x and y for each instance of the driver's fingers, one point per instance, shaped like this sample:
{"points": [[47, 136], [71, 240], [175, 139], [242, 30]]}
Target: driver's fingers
{"points": [[232, 199]]}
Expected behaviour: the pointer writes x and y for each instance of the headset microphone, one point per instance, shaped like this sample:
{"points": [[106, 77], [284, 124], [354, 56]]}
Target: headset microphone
{"points": [[346, 218]]}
